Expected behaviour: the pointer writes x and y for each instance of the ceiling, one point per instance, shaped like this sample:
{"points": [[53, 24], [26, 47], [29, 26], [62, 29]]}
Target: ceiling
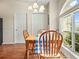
{"points": [[60, 2], [44, 2], [32, 1], [39, 1]]}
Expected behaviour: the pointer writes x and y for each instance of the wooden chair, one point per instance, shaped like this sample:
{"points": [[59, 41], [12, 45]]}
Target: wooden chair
{"points": [[30, 47], [50, 45], [25, 34]]}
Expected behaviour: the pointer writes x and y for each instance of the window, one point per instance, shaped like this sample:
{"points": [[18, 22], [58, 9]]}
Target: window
{"points": [[66, 27], [76, 23], [70, 29]]}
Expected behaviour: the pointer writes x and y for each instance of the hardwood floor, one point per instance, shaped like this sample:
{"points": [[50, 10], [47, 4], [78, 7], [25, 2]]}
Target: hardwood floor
{"points": [[16, 51]]}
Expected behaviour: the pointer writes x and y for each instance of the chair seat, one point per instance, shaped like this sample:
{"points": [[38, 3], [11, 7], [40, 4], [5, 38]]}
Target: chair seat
{"points": [[51, 55]]}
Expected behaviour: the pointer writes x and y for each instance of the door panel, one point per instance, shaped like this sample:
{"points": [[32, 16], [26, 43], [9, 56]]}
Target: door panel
{"points": [[20, 25]]}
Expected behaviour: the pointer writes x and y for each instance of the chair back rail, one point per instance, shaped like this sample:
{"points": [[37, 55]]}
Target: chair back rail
{"points": [[51, 42]]}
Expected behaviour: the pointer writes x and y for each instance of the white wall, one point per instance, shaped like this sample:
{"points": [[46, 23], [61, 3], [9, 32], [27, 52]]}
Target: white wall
{"points": [[7, 11]]}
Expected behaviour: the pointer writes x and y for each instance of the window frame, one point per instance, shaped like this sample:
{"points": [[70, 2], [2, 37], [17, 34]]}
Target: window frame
{"points": [[75, 32], [72, 30]]}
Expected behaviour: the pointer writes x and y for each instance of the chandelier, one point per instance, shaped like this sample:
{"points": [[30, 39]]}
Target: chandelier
{"points": [[36, 8]]}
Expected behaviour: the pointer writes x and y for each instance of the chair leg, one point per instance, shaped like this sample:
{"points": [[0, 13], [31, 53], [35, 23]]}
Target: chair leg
{"points": [[39, 57], [27, 54], [25, 57], [43, 57]]}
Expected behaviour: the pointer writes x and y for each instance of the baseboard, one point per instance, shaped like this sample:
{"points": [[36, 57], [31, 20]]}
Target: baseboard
{"points": [[20, 42], [12, 42], [8, 43]]}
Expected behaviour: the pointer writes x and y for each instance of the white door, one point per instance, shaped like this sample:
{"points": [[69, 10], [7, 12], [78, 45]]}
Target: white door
{"points": [[39, 21], [19, 26]]}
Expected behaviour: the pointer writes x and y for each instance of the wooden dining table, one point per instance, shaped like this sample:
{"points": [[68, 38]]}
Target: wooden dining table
{"points": [[31, 38]]}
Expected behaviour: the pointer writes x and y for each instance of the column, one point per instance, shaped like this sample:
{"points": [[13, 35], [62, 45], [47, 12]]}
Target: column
{"points": [[53, 15]]}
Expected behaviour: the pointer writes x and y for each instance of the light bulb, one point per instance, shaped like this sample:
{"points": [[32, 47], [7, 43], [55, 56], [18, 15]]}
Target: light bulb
{"points": [[30, 8], [35, 10], [42, 8], [35, 5]]}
